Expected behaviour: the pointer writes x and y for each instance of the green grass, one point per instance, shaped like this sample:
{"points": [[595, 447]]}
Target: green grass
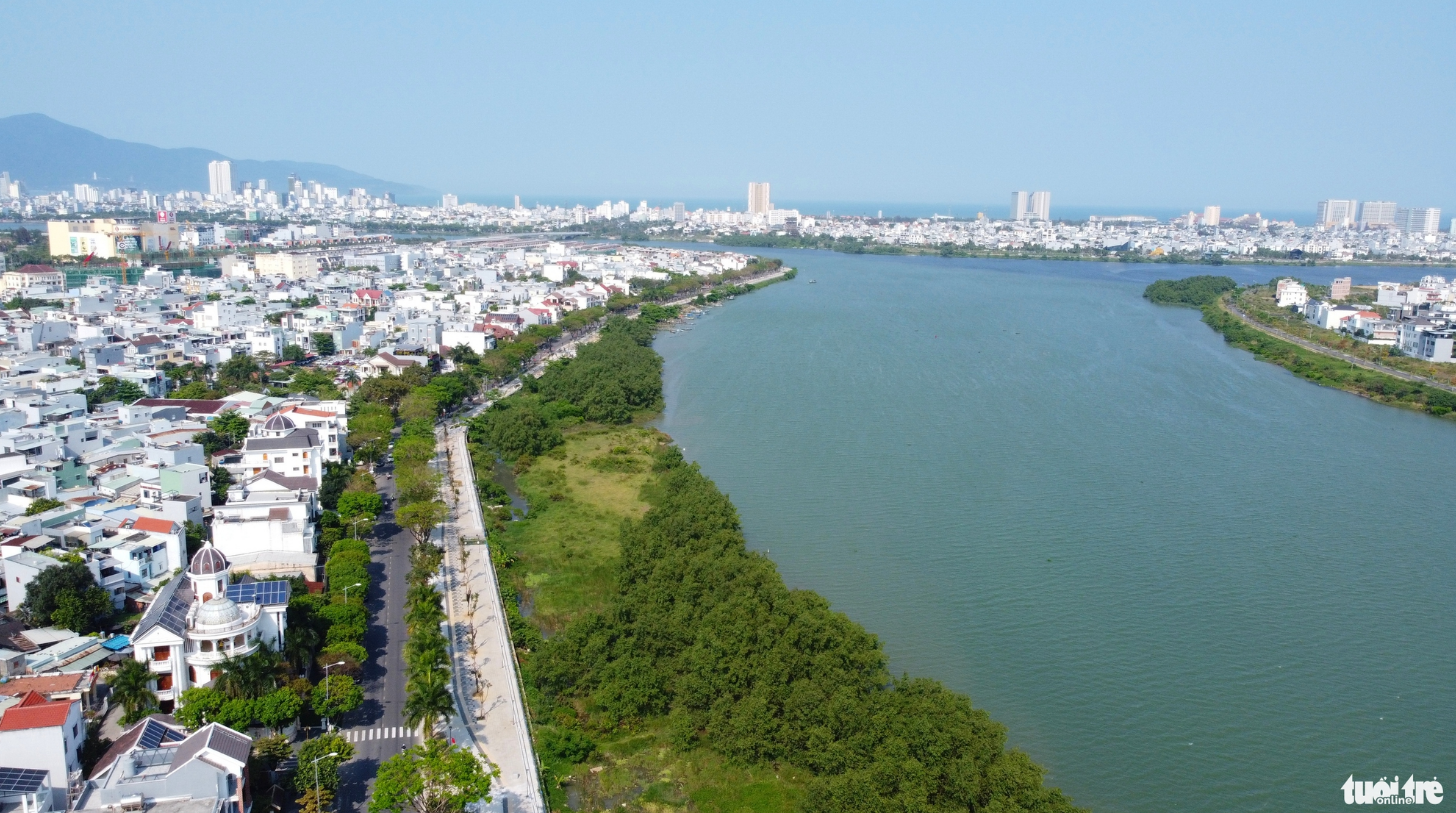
{"points": [[565, 551], [562, 561]]}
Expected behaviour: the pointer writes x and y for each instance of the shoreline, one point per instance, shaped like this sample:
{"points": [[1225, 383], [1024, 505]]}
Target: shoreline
{"points": [[581, 701], [887, 250], [1326, 369]]}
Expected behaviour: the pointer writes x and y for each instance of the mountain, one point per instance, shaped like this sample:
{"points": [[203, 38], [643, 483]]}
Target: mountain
{"points": [[49, 155]]}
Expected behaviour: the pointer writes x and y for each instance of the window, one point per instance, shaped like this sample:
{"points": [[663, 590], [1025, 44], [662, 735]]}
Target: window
{"points": [[162, 653], [305, 455]]}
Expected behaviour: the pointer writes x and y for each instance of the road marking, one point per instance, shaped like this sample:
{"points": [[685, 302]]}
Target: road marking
{"points": [[384, 733]]}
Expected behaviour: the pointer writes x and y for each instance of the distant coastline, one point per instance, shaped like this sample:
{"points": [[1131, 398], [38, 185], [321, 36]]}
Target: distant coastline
{"points": [[855, 246]]}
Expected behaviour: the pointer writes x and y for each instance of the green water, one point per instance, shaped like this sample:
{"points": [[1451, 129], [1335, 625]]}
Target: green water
{"points": [[1184, 579]]}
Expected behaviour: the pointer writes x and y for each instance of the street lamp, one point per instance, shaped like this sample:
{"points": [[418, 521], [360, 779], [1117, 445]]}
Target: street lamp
{"points": [[354, 526], [328, 687], [316, 793], [351, 587]]}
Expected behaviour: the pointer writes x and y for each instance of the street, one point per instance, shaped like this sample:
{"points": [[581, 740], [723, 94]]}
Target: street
{"points": [[377, 728]]}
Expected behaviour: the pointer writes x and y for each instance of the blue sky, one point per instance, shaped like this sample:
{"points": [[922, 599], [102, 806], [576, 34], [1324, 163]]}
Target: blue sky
{"points": [[1112, 105]]}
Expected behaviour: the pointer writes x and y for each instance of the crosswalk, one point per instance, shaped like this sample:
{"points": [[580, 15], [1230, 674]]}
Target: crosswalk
{"points": [[384, 733]]}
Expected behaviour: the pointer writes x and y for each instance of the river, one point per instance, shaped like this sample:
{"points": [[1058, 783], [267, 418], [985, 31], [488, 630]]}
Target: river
{"points": [[1184, 579]]}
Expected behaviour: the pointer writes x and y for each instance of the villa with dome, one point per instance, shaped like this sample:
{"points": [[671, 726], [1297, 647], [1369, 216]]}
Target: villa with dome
{"points": [[283, 447], [202, 618]]}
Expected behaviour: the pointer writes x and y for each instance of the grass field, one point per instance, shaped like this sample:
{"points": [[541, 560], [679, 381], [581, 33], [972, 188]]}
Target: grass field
{"points": [[561, 561]]}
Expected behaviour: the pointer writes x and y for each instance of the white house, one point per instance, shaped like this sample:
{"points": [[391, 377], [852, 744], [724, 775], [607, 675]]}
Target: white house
{"points": [[156, 765], [280, 445], [196, 622], [45, 735], [1290, 294], [267, 526]]}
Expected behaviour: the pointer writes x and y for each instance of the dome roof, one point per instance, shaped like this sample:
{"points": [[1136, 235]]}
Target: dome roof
{"points": [[278, 423], [217, 611], [208, 562]]}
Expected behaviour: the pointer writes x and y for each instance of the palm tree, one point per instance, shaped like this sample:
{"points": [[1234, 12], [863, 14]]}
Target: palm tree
{"points": [[303, 640], [131, 687], [250, 676], [429, 700]]}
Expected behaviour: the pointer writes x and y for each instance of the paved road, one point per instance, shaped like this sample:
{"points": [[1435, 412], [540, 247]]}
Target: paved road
{"points": [[1333, 353], [377, 728]]}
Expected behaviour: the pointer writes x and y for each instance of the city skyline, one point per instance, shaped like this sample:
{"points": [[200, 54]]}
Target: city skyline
{"points": [[873, 105]]}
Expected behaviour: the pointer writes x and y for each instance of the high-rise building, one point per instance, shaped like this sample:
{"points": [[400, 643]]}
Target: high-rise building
{"points": [[680, 212], [518, 201], [1418, 220], [1335, 214], [758, 198], [220, 178], [1377, 213], [1212, 215], [1031, 206], [449, 201]]}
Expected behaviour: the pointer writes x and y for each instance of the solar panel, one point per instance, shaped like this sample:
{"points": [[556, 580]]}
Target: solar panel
{"points": [[152, 734], [174, 615], [21, 780], [266, 593]]}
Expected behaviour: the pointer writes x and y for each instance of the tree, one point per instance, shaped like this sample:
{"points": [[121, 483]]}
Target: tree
{"points": [[360, 504], [222, 479], [237, 713], [41, 505], [110, 388], [131, 688], [82, 612], [278, 709], [336, 695], [194, 389], [435, 777], [196, 536], [421, 518], [323, 343], [316, 801], [250, 676], [232, 426], [428, 700], [200, 705], [328, 767], [295, 353], [42, 595], [238, 373]]}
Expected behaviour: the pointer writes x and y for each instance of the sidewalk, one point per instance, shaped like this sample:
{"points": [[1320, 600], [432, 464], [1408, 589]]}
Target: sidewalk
{"points": [[485, 677]]}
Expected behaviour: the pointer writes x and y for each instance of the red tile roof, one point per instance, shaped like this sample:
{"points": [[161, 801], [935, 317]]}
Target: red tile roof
{"points": [[35, 711], [45, 684], [153, 525]]}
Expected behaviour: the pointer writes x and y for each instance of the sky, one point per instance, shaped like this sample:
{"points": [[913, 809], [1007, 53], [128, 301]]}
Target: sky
{"points": [[1111, 105]]}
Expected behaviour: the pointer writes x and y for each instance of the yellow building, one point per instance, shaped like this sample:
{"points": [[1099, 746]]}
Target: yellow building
{"points": [[108, 237]]}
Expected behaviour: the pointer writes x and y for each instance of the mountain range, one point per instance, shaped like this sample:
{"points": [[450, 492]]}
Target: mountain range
{"points": [[50, 155]]}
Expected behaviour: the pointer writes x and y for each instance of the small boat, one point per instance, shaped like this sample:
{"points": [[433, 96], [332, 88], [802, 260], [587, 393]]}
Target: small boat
{"points": [[812, 281]]}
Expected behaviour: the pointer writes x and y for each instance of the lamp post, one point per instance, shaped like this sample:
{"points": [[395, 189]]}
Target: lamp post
{"points": [[316, 793], [351, 587], [354, 526], [328, 689]]}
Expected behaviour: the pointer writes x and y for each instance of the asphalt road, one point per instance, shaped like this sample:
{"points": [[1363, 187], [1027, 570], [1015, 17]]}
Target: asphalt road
{"points": [[377, 728]]}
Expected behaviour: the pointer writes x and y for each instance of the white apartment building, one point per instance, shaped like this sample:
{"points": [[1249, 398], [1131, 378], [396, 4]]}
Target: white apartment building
{"points": [[1418, 220], [1290, 294], [1377, 213], [288, 266], [1335, 214], [1212, 216], [1031, 206], [220, 179]]}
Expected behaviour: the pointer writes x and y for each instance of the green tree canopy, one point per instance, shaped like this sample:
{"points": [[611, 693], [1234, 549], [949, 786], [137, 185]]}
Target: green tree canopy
{"points": [[277, 709], [360, 504], [240, 372], [318, 748], [336, 695], [110, 388], [200, 705], [294, 353], [131, 689], [435, 777], [41, 505], [44, 593], [421, 518]]}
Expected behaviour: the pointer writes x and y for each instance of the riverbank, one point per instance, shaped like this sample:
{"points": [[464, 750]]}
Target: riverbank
{"points": [[858, 246], [666, 664], [1325, 367]]}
